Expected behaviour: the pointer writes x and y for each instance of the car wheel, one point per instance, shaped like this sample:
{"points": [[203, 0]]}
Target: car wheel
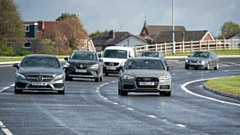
{"points": [[186, 67], [106, 74], [208, 67], [98, 79], [17, 91], [217, 66], [196, 67], [61, 91], [120, 92], [67, 78], [101, 78], [166, 93]]}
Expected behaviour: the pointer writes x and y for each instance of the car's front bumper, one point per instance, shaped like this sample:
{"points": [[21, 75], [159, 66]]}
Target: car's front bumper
{"points": [[111, 69], [54, 85], [134, 86], [196, 65]]}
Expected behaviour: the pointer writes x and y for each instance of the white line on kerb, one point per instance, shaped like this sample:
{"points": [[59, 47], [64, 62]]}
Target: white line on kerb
{"points": [[213, 99], [4, 129]]}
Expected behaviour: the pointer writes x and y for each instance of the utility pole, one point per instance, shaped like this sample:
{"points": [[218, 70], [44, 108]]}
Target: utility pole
{"points": [[173, 31]]}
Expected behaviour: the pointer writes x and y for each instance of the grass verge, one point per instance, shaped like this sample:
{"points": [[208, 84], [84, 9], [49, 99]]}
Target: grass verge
{"points": [[229, 85]]}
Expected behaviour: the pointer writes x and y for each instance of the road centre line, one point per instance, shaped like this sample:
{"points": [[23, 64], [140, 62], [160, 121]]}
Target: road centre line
{"points": [[5, 88], [210, 98]]}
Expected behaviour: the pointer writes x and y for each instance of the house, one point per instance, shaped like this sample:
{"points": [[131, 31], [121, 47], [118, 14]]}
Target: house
{"points": [[231, 39], [35, 31], [112, 38], [162, 34]]}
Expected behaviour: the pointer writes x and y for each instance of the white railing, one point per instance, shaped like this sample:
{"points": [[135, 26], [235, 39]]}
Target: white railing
{"points": [[190, 46]]}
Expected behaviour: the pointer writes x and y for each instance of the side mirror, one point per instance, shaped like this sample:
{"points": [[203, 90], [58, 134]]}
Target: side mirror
{"points": [[101, 60], [168, 69], [16, 65], [66, 58], [189, 56], [99, 55]]}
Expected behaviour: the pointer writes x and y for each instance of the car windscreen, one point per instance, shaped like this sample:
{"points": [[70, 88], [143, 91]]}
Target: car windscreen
{"points": [[200, 54], [144, 64], [48, 62], [84, 56], [121, 54]]}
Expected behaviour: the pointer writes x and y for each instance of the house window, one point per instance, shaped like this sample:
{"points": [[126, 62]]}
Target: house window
{"points": [[27, 45], [9, 44], [26, 28]]}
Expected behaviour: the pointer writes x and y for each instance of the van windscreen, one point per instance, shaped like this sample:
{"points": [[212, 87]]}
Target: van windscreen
{"points": [[121, 54]]}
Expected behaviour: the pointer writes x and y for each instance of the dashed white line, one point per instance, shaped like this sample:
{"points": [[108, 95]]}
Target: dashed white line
{"points": [[180, 125], [152, 116], [131, 109], [5, 88]]}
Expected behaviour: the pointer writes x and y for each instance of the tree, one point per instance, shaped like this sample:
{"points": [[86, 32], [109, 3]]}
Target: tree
{"points": [[94, 34], [11, 25], [229, 27]]}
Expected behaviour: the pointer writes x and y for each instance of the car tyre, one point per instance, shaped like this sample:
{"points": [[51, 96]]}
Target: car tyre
{"points": [[67, 78], [101, 78], [61, 92], [98, 79], [106, 74], [166, 93], [186, 67], [17, 91], [208, 67], [217, 66], [120, 92]]}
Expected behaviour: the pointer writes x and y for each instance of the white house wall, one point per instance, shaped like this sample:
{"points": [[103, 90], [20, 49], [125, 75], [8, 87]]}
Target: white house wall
{"points": [[131, 42]]}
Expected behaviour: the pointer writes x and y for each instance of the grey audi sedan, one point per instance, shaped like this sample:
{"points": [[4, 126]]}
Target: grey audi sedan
{"points": [[39, 72], [202, 60], [144, 74]]}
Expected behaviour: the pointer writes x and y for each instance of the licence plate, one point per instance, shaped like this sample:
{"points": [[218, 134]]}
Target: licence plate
{"points": [[111, 68], [146, 83], [81, 70], [39, 83]]}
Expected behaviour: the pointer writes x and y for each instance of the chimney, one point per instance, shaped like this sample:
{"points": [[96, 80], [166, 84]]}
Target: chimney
{"points": [[111, 34], [41, 25]]}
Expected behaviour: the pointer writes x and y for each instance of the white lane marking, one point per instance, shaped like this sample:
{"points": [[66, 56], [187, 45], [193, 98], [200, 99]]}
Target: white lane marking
{"points": [[4, 129], [180, 125], [213, 99], [5, 88], [152, 116], [131, 109]]}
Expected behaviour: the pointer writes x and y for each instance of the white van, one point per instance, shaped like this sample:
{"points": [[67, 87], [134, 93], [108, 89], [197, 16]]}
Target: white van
{"points": [[114, 57]]}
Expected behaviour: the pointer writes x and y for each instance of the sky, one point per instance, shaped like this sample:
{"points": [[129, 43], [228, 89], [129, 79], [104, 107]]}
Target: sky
{"points": [[129, 15]]}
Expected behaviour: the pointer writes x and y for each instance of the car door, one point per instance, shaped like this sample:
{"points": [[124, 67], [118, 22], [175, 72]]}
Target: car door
{"points": [[213, 60]]}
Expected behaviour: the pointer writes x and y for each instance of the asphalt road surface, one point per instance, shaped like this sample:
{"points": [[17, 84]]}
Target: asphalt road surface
{"points": [[95, 108]]}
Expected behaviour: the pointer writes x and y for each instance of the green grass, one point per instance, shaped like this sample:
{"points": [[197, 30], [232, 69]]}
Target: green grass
{"points": [[218, 52], [229, 85]]}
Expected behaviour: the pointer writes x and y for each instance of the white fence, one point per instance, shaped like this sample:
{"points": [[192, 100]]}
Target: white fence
{"points": [[190, 46]]}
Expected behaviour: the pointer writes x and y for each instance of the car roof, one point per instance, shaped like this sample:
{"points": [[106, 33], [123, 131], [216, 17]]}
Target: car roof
{"points": [[41, 55], [83, 51], [118, 48], [144, 58]]}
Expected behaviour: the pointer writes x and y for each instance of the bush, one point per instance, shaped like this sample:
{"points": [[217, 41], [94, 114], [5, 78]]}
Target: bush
{"points": [[23, 53]]}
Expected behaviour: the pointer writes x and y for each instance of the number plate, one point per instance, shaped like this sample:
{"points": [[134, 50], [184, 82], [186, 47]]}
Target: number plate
{"points": [[81, 70], [39, 83], [111, 68], [146, 83]]}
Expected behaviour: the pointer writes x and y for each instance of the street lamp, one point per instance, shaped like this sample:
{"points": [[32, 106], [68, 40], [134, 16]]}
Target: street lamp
{"points": [[173, 31]]}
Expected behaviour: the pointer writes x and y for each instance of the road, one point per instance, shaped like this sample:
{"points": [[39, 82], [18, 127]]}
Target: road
{"points": [[90, 107]]}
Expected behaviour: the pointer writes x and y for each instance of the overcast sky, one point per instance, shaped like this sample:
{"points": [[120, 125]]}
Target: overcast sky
{"points": [[129, 15]]}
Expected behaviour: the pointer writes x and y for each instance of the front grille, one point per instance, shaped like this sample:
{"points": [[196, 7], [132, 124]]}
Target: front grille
{"points": [[193, 61], [111, 63], [39, 87], [81, 66], [34, 78], [147, 79]]}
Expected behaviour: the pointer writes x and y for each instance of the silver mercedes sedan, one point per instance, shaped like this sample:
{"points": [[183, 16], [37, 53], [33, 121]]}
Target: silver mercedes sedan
{"points": [[39, 72], [144, 74]]}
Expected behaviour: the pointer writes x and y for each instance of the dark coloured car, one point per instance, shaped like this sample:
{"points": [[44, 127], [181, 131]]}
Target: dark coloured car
{"points": [[84, 64], [202, 60], [39, 72], [154, 54], [144, 74]]}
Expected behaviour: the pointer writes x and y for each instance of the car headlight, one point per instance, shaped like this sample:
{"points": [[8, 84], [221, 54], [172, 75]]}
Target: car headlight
{"points": [[20, 76], [202, 62], [95, 66], [122, 64], [128, 77], [186, 60], [58, 77], [164, 78]]}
